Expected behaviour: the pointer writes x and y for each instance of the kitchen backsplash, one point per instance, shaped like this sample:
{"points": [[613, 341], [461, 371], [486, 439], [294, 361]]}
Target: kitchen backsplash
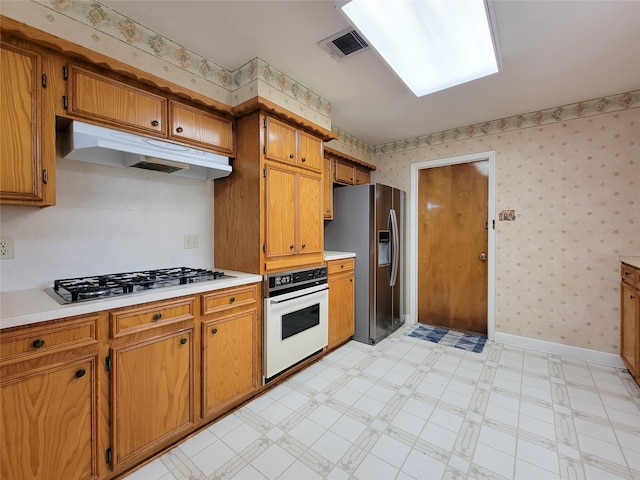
{"points": [[575, 188], [108, 220]]}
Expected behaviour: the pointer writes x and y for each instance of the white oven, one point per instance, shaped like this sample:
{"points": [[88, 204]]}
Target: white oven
{"points": [[295, 318]]}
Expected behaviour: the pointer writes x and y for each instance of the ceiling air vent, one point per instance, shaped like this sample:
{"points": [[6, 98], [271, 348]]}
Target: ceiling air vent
{"points": [[344, 43]]}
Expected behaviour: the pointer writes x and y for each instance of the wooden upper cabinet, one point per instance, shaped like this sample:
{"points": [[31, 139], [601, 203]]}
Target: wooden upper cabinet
{"points": [[95, 97], [27, 149], [362, 176], [192, 125], [343, 172], [327, 189], [285, 143], [281, 212], [310, 223], [348, 170]]}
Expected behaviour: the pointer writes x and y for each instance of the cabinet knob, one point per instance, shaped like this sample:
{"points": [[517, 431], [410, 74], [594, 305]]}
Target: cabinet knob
{"points": [[303, 159], [183, 341], [157, 316], [341, 265], [179, 130], [38, 343], [232, 299], [291, 246], [304, 245], [214, 331], [291, 155], [155, 123], [80, 373]]}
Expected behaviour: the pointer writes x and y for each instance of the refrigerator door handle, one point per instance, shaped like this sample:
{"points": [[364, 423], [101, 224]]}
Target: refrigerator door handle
{"points": [[394, 247]]}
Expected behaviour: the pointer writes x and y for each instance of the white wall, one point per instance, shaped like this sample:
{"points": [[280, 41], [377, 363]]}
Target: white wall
{"points": [[107, 220]]}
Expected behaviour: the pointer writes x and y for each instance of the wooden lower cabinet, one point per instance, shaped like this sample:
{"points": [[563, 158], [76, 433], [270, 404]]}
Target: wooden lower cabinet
{"points": [[231, 339], [152, 394], [341, 301], [49, 402], [630, 319]]}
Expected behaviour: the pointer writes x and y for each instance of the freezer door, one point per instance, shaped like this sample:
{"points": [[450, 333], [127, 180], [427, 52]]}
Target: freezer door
{"points": [[382, 321]]}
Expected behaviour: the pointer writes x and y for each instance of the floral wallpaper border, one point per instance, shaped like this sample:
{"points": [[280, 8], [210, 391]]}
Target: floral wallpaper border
{"points": [[353, 142], [122, 28], [608, 104]]}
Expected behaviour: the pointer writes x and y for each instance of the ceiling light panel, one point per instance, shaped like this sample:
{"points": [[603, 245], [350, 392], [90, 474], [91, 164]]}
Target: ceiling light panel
{"points": [[431, 45]]}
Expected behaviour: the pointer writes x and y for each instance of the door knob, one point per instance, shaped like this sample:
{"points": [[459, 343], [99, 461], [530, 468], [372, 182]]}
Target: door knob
{"points": [[483, 256]]}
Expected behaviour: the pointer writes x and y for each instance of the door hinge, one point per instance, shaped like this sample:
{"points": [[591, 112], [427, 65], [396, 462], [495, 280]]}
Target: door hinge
{"points": [[264, 149], [264, 122], [107, 364], [44, 80], [486, 225], [264, 247], [45, 176], [65, 72], [494, 223], [65, 104], [107, 456], [264, 172]]}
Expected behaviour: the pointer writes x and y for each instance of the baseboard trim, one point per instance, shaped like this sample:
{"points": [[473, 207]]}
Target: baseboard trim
{"points": [[586, 354]]}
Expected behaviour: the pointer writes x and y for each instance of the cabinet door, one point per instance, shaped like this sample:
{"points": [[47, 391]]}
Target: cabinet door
{"points": [[362, 176], [310, 222], [310, 152], [341, 308], [280, 141], [105, 100], [190, 125], [280, 214], [228, 360], [22, 122], [48, 424], [152, 394], [630, 328], [327, 189], [343, 172]]}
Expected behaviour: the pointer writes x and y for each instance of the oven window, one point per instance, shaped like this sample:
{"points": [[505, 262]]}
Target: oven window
{"points": [[301, 320]]}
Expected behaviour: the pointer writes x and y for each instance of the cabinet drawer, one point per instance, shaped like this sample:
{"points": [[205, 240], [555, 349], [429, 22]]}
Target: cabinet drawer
{"points": [[32, 342], [630, 275], [337, 266], [151, 315], [229, 298]]}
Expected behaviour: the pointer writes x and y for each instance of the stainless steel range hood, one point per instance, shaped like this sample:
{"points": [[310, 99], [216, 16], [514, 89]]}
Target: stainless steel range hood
{"points": [[90, 143]]}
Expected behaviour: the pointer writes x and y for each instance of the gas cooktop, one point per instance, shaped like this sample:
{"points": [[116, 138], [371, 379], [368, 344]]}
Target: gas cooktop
{"points": [[82, 289]]}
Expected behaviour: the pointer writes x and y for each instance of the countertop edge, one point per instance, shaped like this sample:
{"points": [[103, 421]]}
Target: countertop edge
{"points": [[634, 261], [331, 255], [26, 307]]}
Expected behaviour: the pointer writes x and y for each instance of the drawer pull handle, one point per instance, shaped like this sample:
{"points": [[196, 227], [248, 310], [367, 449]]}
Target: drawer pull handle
{"points": [[341, 265], [183, 341], [80, 373], [179, 130], [304, 159], [291, 155], [157, 316], [627, 273], [291, 247], [38, 343], [214, 331], [232, 299], [155, 123]]}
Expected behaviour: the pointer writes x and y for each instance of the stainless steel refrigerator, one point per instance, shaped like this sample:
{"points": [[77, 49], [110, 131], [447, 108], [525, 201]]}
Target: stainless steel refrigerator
{"points": [[369, 220]]}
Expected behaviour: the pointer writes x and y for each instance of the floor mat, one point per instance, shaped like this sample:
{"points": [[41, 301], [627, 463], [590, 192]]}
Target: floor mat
{"points": [[450, 338]]}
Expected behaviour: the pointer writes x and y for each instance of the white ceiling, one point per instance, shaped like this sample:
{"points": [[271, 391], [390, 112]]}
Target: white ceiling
{"points": [[552, 53]]}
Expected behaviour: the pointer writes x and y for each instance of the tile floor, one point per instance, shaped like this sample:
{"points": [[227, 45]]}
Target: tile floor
{"points": [[411, 409]]}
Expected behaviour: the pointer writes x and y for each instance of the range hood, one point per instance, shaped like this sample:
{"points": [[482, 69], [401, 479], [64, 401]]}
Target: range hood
{"points": [[90, 143]]}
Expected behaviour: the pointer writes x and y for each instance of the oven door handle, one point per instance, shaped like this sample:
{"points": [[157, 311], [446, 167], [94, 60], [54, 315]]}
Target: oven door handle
{"points": [[276, 302]]}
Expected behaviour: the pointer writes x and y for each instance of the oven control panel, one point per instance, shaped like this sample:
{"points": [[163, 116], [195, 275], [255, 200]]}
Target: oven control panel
{"points": [[294, 280]]}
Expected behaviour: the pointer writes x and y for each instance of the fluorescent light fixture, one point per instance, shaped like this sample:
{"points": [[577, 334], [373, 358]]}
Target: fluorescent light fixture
{"points": [[430, 44]]}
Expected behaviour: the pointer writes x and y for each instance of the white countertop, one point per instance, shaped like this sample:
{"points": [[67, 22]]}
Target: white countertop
{"points": [[330, 255], [630, 260], [24, 307]]}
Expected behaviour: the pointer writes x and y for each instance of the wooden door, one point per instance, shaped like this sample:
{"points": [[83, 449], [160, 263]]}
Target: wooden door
{"points": [[341, 303], [629, 334], [327, 189], [47, 423], [310, 154], [20, 117], [152, 394], [228, 360], [310, 218], [280, 214], [452, 239], [280, 141], [191, 125]]}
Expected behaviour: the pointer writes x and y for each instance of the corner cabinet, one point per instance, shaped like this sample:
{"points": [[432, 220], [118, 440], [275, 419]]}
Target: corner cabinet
{"points": [[630, 318], [27, 120], [341, 301], [269, 213]]}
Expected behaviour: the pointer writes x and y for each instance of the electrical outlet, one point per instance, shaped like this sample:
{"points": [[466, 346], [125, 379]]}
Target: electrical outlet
{"points": [[6, 248], [191, 240]]}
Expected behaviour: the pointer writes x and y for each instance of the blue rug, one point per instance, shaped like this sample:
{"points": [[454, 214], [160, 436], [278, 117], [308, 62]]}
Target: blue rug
{"points": [[450, 338]]}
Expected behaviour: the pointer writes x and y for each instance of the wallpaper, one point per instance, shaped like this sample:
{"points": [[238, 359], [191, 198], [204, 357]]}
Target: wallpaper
{"points": [[575, 189]]}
